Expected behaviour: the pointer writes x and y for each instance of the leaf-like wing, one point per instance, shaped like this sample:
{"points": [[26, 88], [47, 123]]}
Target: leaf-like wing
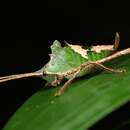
{"points": [[62, 59]]}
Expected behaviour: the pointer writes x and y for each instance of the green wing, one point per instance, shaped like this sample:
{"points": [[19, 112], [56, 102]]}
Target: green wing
{"points": [[94, 56], [62, 59]]}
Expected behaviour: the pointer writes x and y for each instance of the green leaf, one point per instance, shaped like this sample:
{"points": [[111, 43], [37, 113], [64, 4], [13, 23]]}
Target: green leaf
{"points": [[87, 100]]}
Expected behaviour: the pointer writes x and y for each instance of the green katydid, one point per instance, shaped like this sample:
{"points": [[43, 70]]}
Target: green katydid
{"points": [[73, 61]]}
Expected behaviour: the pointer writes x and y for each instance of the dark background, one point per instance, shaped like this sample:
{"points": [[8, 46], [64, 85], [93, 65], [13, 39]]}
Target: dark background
{"points": [[29, 29]]}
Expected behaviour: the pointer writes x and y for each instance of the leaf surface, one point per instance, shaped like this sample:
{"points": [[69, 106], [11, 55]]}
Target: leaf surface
{"points": [[87, 100]]}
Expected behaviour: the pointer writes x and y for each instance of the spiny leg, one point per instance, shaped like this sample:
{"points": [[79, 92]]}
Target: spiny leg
{"points": [[109, 58], [101, 66], [115, 55], [66, 85]]}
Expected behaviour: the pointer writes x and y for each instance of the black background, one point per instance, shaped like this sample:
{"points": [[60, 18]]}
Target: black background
{"points": [[28, 30]]}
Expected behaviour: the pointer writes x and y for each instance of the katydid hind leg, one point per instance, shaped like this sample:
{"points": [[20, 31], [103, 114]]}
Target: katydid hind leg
{"points": [[101, 66]]}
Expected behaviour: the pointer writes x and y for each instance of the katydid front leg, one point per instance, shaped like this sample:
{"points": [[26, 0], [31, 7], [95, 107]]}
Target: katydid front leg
{"points": [[66, 85], [58, 79]]}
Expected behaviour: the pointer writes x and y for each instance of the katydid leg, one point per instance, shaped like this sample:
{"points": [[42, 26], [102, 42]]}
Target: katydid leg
{"points": [[101, 66], [66, 85]]}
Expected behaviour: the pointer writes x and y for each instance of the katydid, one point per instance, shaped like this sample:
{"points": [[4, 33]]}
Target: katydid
{"points": [[73, 61]]}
